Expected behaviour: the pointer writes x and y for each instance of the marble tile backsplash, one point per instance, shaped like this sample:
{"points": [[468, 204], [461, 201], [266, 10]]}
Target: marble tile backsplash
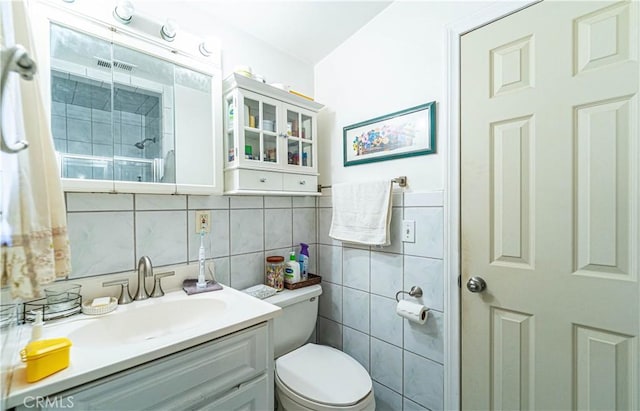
{"points": [[357, 312], [110, 232]]}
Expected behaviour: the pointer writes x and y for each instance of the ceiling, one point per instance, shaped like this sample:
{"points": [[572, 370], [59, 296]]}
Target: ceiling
{"points": [[306, 29]]}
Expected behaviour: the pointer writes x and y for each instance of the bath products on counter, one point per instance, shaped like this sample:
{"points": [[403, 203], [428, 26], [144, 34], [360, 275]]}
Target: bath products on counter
{"points": [[274, 272], [292, 271], [303, 259]]}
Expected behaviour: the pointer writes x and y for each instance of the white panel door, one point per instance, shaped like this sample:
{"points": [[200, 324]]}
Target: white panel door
{"points": [[550, 209]]}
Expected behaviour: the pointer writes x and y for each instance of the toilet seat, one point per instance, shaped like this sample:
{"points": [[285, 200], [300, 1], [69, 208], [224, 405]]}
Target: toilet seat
{"points": [[323, 376]]}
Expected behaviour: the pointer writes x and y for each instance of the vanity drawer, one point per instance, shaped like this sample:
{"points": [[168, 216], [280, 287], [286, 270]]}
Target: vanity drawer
{"points": [[300, 182], [183, 379], [259, 180]]}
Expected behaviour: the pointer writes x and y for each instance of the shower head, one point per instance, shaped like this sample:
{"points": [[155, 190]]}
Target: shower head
{"points": [[140, 144]]}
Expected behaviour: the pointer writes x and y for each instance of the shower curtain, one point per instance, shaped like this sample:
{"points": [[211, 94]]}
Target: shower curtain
{"points": [[35, 245]]}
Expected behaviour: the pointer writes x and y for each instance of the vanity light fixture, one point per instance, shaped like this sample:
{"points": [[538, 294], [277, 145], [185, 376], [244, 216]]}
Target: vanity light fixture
{"points": [[169, 30], [123, 12]]}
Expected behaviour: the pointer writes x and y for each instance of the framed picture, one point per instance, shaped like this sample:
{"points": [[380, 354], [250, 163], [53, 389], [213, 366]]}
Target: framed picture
{"points": [[406, 133]]}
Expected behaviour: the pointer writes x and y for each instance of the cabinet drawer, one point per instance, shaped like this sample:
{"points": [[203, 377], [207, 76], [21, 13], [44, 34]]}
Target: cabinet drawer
{"points": [[182, 379], [259, 180], [300, 182], [252, 396]]}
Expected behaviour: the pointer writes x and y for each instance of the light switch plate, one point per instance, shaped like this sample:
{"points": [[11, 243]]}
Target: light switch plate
{"points": [[409, 231]]}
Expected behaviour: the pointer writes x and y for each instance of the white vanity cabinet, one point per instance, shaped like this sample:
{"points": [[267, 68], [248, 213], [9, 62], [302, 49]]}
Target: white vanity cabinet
{"points": [[231, 373], [271, 140]]}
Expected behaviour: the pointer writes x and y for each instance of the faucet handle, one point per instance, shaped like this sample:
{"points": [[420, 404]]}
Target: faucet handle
{"points": [[125, 297], [157, 286]]}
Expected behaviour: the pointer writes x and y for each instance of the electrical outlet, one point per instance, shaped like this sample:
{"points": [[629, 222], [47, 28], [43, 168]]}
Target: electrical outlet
{"points": [[203, 221], [409, 231]]}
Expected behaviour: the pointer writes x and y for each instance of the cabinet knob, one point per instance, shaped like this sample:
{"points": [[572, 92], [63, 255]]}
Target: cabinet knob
{"points": [[263, 180], [303, 182], [283, 135]]}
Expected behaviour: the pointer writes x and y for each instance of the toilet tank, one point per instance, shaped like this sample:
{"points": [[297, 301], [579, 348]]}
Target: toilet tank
{"points": [[295, 325]]}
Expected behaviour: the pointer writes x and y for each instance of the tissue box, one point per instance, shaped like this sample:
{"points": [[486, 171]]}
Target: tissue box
{"points": [[45, 357]]}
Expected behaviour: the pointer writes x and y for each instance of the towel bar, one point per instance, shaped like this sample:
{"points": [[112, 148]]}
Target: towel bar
{"points": [[402, 182]]}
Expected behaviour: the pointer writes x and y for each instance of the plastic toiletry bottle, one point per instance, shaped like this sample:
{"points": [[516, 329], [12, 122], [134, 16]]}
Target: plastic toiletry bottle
{"points": [[303, 258], [36, 328], [292, 270]]}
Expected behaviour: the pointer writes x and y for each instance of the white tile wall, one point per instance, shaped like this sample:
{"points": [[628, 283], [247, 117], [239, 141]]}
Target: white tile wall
{"points": [[109, 232], [386, 364], [101, 242], [355, 268], [246, 230], [385, 324], [373, 275], [161, 235], [423, 381], [329, 333], [330, 305], [386, 399], [386, 273], [278, 228], [356, 344], [355, 309]]}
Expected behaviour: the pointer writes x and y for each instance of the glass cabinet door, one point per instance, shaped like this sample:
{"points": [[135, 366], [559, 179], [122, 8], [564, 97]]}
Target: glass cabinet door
{"points": [[300, 138], [259, 122], [81, 104], [143, 117], [229, 126]]}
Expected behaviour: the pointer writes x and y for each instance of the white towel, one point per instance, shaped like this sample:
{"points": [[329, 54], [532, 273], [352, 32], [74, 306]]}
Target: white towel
{"points": [[362, 212]]}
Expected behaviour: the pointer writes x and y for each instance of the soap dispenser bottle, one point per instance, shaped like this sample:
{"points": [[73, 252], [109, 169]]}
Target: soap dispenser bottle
{"points": [[303, 259], [292, 270], [36, 328]]}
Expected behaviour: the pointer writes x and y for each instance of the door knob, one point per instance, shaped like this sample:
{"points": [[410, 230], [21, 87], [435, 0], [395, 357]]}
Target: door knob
{"points": [[476, 285]]}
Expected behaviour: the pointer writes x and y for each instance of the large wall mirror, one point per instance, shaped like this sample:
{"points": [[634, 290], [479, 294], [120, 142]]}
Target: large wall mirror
{"points": [[124, 119]]}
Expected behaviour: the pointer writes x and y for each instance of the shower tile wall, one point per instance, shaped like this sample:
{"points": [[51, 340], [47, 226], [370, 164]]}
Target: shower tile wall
{"points": [[357, 307], [110, 232], [82, 123]]}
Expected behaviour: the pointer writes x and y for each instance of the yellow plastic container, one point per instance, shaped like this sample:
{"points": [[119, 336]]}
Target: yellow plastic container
{"points": [[45, 357]]}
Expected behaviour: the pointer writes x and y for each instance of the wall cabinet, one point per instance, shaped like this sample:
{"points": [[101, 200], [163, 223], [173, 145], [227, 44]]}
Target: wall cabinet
{"points": [[271, 140], [128, 113], [231, 373]]}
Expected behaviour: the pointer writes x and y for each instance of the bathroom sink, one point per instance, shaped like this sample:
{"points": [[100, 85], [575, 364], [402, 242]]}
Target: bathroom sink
{"points": [[142, 323]]}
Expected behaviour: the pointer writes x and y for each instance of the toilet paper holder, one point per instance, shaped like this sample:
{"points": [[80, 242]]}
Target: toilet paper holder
{"points": [[414, 292]]}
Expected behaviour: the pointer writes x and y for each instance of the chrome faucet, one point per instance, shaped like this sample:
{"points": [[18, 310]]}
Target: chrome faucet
{"points": [[145, 269]]}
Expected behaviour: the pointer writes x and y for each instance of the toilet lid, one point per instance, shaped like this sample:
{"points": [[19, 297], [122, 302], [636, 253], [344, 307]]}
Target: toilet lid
{"points": [[324, 374]]}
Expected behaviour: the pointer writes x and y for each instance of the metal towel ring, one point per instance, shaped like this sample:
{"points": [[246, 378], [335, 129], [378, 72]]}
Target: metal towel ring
{"points": [[414, 292]]}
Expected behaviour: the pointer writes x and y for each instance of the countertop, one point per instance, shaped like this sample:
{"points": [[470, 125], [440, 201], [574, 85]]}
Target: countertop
{"points": [[89, 363]]}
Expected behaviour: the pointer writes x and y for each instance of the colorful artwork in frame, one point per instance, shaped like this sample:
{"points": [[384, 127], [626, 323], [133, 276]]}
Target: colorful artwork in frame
{"points": [[406, 133]]}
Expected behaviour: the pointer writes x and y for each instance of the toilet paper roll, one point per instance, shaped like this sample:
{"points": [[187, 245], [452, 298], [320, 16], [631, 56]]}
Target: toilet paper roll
{"points": [[416, 313]]}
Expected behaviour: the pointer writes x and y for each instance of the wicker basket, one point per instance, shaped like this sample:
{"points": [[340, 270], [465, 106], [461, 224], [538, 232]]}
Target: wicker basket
{"points": [[313, 279]]}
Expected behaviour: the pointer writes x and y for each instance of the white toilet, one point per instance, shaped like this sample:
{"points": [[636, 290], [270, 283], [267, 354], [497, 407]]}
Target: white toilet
{"points": [[310, 376]]}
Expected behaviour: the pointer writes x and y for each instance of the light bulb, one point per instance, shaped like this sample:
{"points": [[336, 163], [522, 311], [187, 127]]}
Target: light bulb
{"points": [[169, 30], [123, 12], [207, 47]]}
